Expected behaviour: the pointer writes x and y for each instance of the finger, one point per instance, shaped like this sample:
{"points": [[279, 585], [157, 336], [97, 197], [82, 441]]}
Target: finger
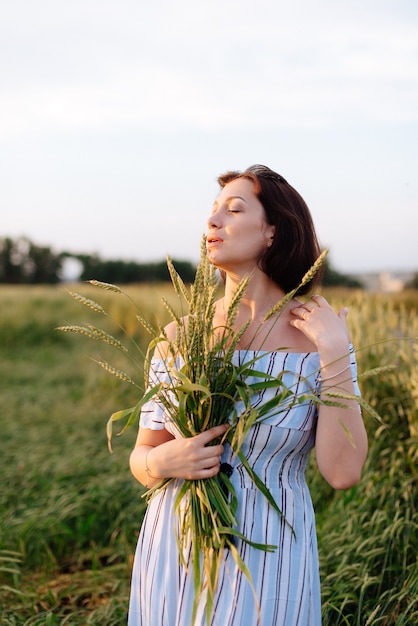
{"points": [[213, 461], [311, 305], [299, 311], [207, 472], [297, 323], [304, 313], [210, 452], [212, 433], [319, 300], [343, 313]]}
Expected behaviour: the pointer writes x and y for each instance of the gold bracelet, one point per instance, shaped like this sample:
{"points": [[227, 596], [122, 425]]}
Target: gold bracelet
{"points": [[323, 379]]}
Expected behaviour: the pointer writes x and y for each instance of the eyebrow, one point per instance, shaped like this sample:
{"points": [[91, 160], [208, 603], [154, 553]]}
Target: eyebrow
{"points": [[229, 199]]}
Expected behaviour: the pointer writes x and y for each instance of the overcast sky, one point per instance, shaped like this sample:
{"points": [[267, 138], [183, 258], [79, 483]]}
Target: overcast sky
{"points": [[116, 117]]}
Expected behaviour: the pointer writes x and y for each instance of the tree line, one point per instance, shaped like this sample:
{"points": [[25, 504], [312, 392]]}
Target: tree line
{"points": [[23, 262], [26, 263]]}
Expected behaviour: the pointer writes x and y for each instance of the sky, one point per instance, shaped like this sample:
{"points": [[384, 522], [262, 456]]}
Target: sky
{"points": [[117, 116]]}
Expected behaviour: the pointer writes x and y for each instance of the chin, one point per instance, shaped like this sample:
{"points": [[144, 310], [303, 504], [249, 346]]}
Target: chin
{"points": [[212, 259]]}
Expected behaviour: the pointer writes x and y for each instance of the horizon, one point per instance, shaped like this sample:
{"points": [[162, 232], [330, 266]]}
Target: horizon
{"points": [[194, 261]]}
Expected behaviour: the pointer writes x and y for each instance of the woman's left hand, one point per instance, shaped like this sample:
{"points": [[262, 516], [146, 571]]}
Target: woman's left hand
{"points": [[340, 456], [318, 321]]}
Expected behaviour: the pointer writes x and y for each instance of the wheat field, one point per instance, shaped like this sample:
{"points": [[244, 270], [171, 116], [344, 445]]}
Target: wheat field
{"points": [[70, 511]]}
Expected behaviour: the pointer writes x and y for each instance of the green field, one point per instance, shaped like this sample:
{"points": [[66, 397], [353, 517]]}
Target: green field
{"points": [[70, 511]]}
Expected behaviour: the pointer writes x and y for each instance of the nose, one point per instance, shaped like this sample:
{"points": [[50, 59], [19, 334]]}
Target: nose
{"points": [[213, 221]]}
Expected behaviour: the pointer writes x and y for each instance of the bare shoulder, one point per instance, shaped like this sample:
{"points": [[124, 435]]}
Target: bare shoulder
{"points": [[284, 335], [164, 348]]}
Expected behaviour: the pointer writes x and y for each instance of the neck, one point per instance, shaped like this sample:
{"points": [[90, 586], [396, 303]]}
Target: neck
{"points": [[260, 296]]}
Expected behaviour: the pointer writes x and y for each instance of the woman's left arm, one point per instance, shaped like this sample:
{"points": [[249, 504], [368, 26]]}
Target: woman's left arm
{"points": [[341, 438]]}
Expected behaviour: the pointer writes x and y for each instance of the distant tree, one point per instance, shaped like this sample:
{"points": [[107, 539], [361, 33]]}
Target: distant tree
{"points": [[332, 278], [413, 283], [10, 271], [90, 264], [23, 262], [43, 265], [125, 272]]}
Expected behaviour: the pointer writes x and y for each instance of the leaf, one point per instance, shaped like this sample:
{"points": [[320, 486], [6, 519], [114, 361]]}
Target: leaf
{"points": [[130, 414], [266, 547], [244, 569], [261, 486]]}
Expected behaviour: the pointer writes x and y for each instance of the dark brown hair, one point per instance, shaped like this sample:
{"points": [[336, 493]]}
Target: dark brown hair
{"points": [[295, 246]]}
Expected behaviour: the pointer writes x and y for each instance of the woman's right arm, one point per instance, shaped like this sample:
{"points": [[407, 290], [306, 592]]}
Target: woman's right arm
{"points": [[158, 455], [146, 441]]}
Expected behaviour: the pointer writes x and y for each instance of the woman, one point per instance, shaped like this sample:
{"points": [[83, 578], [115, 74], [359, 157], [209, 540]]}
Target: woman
{"points": [[259, 226]]}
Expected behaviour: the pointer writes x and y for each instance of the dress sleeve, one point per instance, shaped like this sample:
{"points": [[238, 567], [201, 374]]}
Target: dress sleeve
{"points": [[154, 415], [354, 374]]}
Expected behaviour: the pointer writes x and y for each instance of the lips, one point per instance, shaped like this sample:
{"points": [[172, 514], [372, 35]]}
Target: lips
{"points": [[214, 240]]}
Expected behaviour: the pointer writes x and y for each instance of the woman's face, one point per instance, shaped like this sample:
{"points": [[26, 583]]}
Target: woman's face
{"points": [[238, 233]]}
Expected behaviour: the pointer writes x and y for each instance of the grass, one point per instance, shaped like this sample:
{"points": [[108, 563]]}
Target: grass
{"points": [[368, 536], [67, 506], [70, 511]]}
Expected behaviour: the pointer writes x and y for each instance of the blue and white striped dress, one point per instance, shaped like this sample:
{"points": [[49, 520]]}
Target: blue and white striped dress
{"points": [[286, 581]]}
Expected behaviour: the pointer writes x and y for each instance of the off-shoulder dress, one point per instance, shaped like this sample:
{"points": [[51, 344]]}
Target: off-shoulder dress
{"points": [[286, 581]]}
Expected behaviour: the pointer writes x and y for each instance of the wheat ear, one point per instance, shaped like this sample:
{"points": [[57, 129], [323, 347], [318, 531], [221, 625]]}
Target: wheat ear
{"points": [[91, 304], [306, 279], [94, 333], [115, 372], [178, 284], [236, 299], [106, 286], [145, 325]]}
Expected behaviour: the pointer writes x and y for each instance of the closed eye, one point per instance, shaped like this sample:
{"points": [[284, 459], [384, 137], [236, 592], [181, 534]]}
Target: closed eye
{"points": [[233, 206]]}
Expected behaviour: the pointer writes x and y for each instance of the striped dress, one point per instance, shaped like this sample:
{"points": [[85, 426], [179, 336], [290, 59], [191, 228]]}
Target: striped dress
{"points": [[286, 581]]}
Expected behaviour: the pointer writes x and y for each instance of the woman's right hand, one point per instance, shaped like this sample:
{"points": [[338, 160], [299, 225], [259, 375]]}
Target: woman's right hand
{"points": [[188, 458]]}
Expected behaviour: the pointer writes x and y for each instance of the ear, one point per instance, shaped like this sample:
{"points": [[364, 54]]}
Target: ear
{"points": [[270, 232]]}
